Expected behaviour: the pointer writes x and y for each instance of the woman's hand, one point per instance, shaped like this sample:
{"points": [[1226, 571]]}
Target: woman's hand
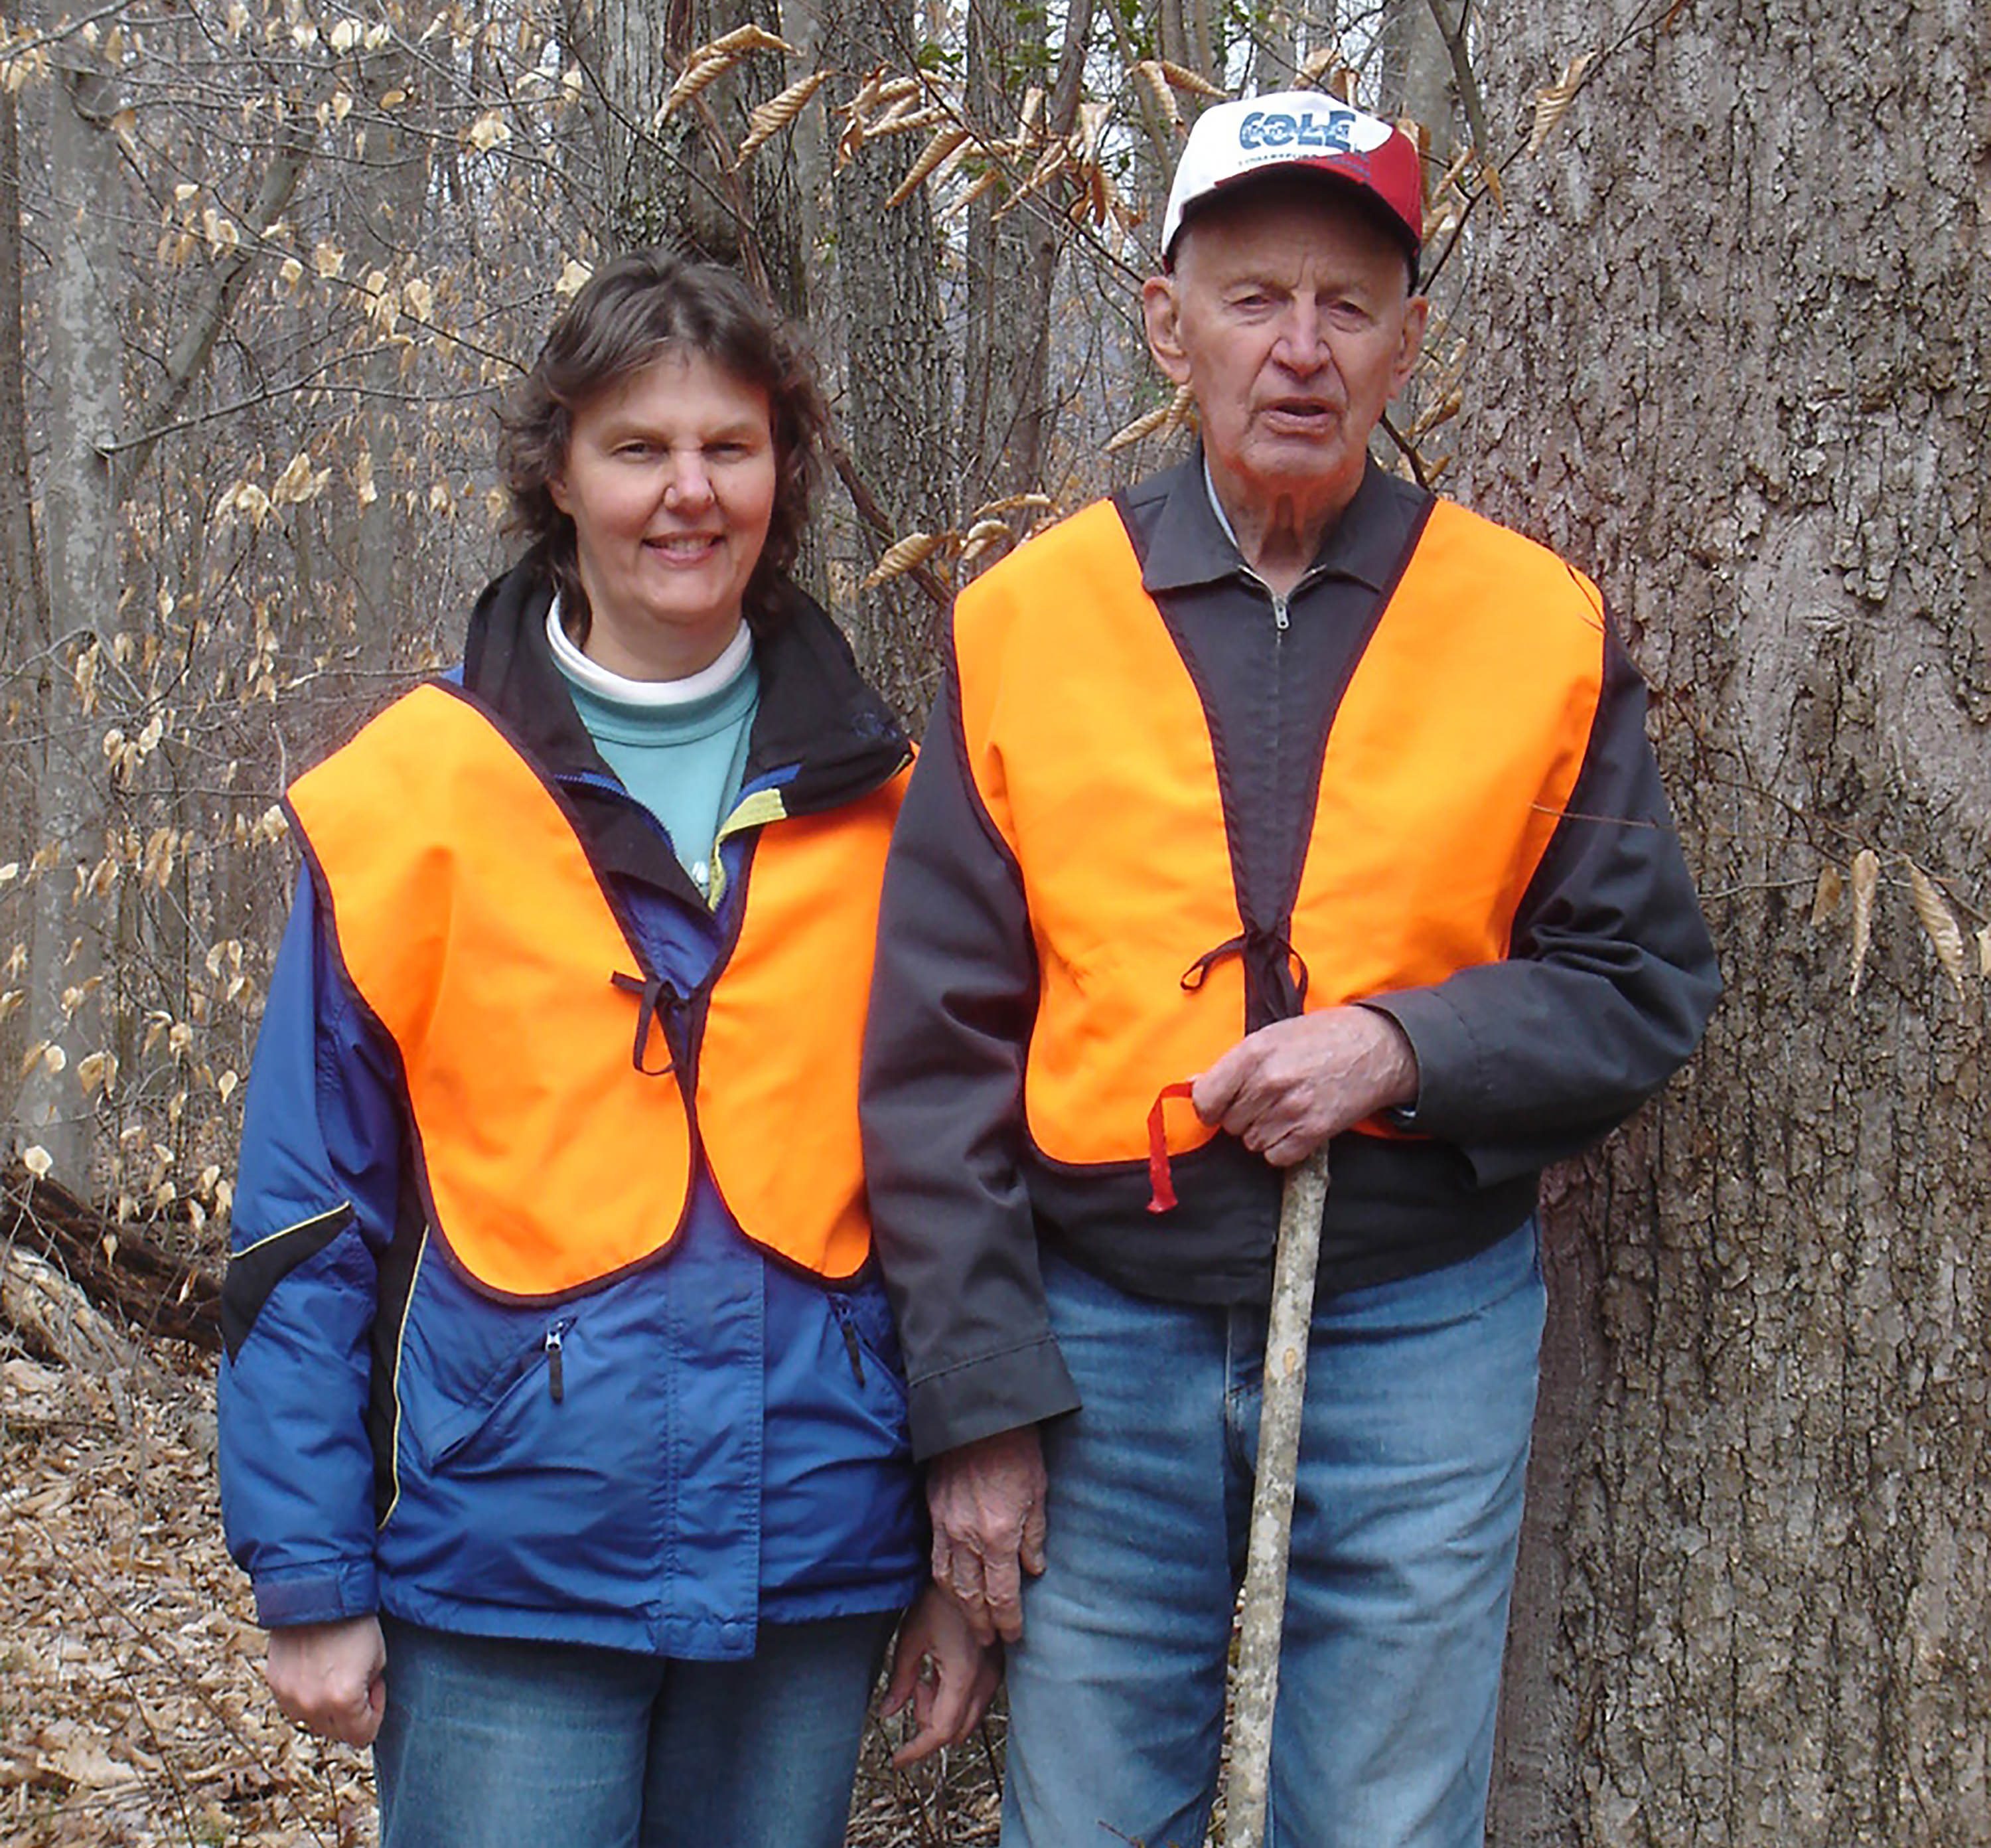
{"points": [[947, 1677], [330, 1678]]}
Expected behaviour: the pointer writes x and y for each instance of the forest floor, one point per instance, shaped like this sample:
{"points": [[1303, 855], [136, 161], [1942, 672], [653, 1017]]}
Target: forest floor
{"points": [[132, 1707]]}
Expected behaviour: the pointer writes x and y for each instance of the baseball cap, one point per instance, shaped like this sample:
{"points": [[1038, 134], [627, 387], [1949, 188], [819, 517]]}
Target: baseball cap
{"points": [[1307, 132]]}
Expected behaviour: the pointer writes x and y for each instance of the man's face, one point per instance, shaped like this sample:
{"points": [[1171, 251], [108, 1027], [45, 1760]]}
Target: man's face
{"points": [[1289, 317]]}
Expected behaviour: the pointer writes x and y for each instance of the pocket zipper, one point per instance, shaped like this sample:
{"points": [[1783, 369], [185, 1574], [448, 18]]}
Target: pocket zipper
{"points": [[556, 1367], [842, 1311]]}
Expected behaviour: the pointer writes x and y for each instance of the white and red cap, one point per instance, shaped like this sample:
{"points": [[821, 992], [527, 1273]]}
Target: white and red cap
{"points": [[1302, 130]]}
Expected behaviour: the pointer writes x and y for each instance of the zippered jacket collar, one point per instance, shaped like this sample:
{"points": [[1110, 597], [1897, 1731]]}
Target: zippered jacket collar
{"points": [[1188, 545]]}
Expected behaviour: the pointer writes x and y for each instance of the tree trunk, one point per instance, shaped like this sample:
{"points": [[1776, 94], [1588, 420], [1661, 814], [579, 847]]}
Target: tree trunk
{"points": [[386, 228], [1741, 375], [674, 181], [892, 417], [24, 602], [85, 372], [1417, 69], [1007, 413]]}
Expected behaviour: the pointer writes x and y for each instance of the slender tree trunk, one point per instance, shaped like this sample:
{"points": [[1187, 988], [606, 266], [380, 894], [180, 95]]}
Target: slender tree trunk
{"points": [[1417, 69], [1743, 373], [24, 599], [85, 371], [24, 602], [1275, 58], [391, 217], [627, 47]]}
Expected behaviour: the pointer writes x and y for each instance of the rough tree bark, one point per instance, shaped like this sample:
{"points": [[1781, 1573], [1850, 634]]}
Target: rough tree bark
{"points": [[85, 377], [1741, 373], [1006, 413], [24, 602], [892, 417]]}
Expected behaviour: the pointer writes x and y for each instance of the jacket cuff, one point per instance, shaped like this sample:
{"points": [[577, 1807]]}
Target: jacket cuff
{"points": [[1447, 1063], [1000, 1392], [327, 1593]]}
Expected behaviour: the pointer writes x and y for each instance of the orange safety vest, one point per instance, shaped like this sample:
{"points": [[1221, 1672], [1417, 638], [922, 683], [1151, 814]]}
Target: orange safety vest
{"points": [[472, 924], [1451, 759]]}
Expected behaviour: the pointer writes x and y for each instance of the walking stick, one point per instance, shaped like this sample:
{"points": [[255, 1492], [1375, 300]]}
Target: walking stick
{"points": [[1255, 1682]]}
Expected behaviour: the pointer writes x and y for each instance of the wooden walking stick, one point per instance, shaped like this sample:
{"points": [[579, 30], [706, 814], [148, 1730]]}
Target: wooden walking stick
{"points": [[1255, 1682]]}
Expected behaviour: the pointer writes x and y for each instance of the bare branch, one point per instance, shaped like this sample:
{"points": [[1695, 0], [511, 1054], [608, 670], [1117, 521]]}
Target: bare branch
{"points": [[1461, 70], [185, 364]]}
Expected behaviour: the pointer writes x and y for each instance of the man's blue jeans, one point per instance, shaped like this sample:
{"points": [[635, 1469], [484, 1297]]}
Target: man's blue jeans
{"points": [[489, 1744], [1420, 1398]]}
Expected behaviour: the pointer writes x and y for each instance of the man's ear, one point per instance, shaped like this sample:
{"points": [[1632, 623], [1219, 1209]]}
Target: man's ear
{"points": [[1160, 310], [1417, 311]]}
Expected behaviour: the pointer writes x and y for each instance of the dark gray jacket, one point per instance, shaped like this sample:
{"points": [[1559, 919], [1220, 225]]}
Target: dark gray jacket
{"points": [[1609, 982]]}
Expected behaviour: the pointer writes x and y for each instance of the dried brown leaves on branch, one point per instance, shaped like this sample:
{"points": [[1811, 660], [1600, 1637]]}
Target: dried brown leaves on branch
{"points": [[705, 64], [1945, 935], [766, 121], [986, 528], [1934, 911], [1865, 881], [1178, 413], [1553, 104]]}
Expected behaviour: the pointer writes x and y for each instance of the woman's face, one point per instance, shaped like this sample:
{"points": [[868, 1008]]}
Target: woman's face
{"points": [[669, 479]]}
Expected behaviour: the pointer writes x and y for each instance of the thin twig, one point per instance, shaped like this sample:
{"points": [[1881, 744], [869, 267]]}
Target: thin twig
{"points": [[1461, 70]]}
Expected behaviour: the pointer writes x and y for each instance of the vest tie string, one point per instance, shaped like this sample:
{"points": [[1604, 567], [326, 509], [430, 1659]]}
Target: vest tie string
{"points": [[656, 993], [1275, 973]]}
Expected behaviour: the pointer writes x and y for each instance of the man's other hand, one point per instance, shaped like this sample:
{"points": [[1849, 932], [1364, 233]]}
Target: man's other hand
{"points": [[330, 1678], [987, 1500], [1287, 1089]]}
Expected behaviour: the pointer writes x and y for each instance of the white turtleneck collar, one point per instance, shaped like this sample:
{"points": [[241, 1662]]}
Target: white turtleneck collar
{"points": [[605, 684]]}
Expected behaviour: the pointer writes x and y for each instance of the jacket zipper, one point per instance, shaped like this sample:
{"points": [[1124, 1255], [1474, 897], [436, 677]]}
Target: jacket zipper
{"points": [[556, 1367], [1281, 623], [841, 1310]]}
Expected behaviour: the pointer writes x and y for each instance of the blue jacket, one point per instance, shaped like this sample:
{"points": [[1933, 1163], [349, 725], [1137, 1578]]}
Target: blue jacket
{"points": [[656, 1463]]}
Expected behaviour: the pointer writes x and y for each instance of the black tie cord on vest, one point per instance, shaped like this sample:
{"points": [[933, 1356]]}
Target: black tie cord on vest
{"points": [[656, 993]]}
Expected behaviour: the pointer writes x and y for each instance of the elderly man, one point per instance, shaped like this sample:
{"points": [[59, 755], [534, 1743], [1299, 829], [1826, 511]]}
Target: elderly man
{"points": [[1276, 782]]}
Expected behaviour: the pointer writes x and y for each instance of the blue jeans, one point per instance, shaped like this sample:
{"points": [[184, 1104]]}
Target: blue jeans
{"points": [[492, 1743], [1413, 1454]]}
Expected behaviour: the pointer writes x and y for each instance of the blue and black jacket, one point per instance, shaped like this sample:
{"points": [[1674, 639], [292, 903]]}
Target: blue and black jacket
{"points": [[707, 1439]]}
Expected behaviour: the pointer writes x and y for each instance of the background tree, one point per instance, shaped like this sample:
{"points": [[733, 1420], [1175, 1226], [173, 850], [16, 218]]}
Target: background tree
{"points": [[1732, 355], [893, 395], [80, 565]]}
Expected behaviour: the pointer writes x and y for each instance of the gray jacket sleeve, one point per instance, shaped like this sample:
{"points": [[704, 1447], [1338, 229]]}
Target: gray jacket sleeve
{"points": [[1610, 979], [952, 1002]]}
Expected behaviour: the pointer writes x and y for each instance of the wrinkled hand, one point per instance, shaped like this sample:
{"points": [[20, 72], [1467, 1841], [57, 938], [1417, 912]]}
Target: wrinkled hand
{"points": [[1287, 1089], [330, 1678], [948, 1676], [987, 1500]]}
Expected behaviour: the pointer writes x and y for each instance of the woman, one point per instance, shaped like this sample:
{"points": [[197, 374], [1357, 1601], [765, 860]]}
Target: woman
{"points": [[563, 1426]]}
